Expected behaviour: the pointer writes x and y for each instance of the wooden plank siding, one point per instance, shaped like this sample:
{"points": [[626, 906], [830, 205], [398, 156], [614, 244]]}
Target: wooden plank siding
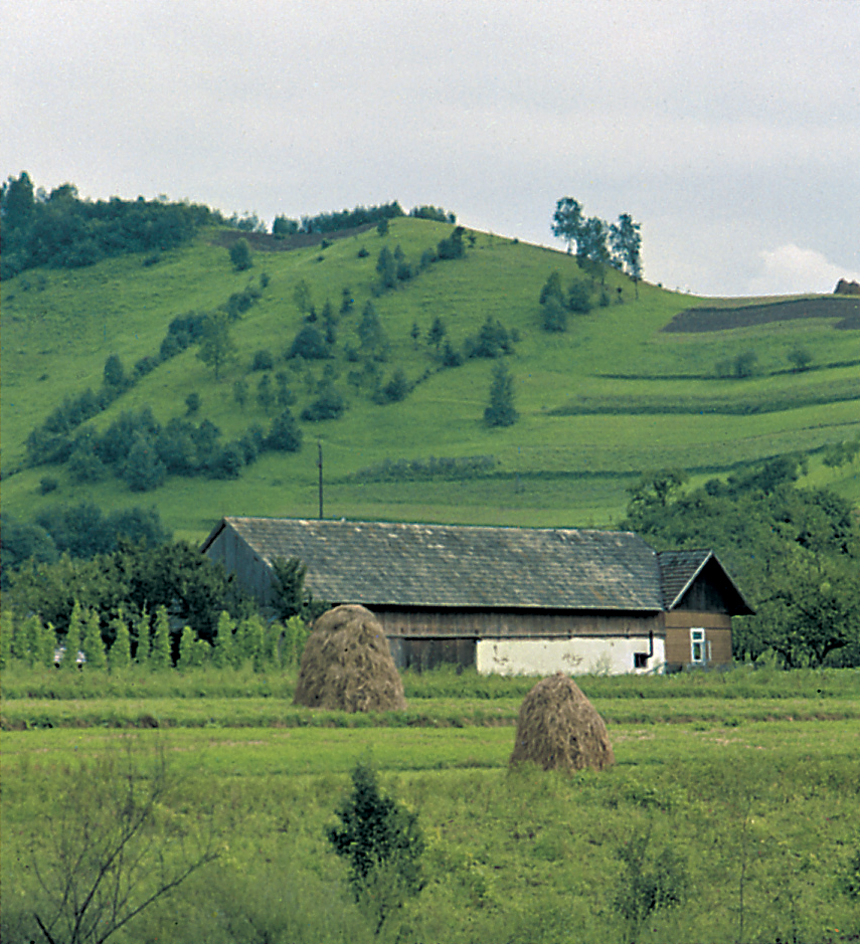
{"points": [[718, 634], [512, 624]]}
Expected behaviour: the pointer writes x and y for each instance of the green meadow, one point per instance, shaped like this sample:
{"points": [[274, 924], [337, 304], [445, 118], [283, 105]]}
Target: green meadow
{"points": [[736, 793], [607, 399]]}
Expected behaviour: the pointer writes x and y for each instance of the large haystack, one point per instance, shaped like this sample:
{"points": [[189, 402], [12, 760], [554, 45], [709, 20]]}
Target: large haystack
{"points": [[347, 665], [558, 727]]}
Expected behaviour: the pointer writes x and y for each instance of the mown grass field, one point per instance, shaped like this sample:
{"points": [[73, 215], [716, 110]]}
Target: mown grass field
{"points": [[762, 813], [611, 397]]}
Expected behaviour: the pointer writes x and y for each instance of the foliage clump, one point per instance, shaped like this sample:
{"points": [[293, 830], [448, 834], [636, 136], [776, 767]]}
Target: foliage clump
{"points": [[382, 843]]}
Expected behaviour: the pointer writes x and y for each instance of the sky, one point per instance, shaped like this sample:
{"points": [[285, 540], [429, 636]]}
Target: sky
{"points": [[729, 130]]}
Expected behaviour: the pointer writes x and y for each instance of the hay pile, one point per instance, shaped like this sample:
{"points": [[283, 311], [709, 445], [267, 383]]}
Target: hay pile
{"points": [[347, 665], [558, 728]]}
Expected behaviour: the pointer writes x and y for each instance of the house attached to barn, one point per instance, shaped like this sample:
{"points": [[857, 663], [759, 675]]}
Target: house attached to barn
{"points": [[506, 600]]}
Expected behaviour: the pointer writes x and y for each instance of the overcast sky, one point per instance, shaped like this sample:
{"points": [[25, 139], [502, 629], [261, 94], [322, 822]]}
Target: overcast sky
{"points": [[730, 130]]}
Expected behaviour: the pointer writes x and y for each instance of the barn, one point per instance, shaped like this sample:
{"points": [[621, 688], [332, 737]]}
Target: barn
{"points": [[505, 600]]}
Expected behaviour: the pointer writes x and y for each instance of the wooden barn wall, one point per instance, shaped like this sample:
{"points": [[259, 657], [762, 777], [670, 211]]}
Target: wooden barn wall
{"points": [[427, 653], [252, 573], [511, 624], [718, 632]]}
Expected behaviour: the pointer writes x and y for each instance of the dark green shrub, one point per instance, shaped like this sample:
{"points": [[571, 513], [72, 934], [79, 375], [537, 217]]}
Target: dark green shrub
{"points": [[192, 404], [500, 411], [551, 288], [114, 373], [363, 253], [310, 344], [240, 255], [284, 435], [800, 358], [397, 388], [263, 360], [329, 405], [450, 356], [47, 484], [554, 315], [228, 462], [144, 471], [578, 297], [382, 843]]}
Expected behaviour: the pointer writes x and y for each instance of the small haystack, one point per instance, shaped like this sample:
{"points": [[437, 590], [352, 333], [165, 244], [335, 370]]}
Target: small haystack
{"points": [[558, 727], [347, 665]]}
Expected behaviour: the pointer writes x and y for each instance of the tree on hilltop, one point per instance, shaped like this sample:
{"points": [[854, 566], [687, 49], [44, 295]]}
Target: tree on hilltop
{"points": [[626, 242], [567, 221]]}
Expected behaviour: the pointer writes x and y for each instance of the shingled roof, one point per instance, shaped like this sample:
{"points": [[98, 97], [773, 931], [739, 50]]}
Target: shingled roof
{"points": [[455, 566]]}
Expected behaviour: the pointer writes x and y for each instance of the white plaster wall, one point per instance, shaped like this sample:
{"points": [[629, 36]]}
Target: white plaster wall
{"points": [[579, 656]]}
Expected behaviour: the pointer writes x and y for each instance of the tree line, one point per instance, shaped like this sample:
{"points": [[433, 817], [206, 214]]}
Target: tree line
{"points": [[795, 550], [598, 243], [60, 230]]}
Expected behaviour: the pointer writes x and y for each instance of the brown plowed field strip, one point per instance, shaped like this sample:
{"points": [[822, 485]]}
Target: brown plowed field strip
{"points": [[694, 320]]}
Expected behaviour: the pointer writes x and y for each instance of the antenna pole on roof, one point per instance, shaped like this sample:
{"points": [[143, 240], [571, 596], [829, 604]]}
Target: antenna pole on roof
{"points": [[320, 464]]}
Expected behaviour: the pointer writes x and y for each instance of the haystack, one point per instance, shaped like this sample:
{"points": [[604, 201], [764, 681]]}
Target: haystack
{"points": [[559, 728], [347, 665]]}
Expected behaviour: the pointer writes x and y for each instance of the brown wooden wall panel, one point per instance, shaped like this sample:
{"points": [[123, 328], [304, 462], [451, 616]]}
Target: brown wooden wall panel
{"points": [[677, 619], [678, 650], [423, 654], [510, 624]]}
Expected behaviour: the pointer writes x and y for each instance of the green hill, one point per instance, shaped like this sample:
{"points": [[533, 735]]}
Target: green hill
{"points": [[612, 396]]}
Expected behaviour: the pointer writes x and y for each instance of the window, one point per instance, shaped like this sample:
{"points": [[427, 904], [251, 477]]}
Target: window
{"points": [[697, 646], [640, 660]]}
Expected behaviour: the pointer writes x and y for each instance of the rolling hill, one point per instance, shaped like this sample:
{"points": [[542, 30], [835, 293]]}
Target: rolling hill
{"points": [[612, 396]]}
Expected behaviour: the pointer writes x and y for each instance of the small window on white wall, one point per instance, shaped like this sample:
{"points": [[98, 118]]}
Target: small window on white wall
{"points": [[640, 660], [697, 647]]}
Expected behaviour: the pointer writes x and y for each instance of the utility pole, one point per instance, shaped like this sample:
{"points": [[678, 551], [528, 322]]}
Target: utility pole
{"points": [[320, 464]]}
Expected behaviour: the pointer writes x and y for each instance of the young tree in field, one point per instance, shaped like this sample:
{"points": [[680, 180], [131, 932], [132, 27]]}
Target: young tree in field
{"points": [[626, 241], [302, 297], [374, 341], [500, 411], [7, 629], [119, 654], [284, 434], [142, 631], [436, 333], [159, 654], [382, 842], [73, 638], [223, 654], [567, 221], [144, 470], [217, 347], [92, 643]]}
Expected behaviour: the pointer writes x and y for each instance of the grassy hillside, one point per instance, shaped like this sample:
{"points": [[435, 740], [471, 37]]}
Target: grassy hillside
{"points": [[612, 396]]}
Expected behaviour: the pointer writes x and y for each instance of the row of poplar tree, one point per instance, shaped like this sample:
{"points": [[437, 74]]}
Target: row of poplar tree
{"points": [[148, 640]]}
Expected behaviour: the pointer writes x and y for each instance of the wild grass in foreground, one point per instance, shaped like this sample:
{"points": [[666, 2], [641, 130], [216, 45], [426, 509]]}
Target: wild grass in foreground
{"points": [[744, 834]]}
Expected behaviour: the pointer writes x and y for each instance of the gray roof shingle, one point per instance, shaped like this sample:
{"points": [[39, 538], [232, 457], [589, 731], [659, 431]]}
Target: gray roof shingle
{"points": [[455, 566]]}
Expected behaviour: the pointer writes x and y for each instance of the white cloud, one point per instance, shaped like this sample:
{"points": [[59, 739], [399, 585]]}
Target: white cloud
{"points": [[792, 270]]}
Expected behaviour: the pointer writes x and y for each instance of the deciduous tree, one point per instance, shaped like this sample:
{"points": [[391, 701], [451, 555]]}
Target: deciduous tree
{"points": [[567, 221]]}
